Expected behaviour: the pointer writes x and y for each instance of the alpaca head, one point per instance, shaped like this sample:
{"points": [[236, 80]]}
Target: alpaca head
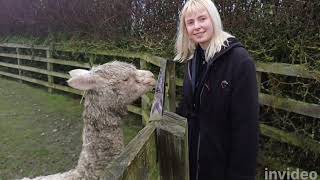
{"points": [[116, 80]]}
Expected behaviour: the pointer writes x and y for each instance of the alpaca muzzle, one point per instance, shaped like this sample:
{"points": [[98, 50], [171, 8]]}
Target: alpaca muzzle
{"points": [[146, 77]]}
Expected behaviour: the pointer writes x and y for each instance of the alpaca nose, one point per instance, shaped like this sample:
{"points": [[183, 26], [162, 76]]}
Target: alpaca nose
{"points": [[146, 77]]}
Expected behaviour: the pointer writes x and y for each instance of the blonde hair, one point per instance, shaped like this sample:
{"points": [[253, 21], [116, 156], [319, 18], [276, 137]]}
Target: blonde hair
{"points": [[184, 46]]}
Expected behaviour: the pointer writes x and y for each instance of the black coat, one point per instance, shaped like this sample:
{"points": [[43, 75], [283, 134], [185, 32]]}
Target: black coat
{"points": [[222, 115]]}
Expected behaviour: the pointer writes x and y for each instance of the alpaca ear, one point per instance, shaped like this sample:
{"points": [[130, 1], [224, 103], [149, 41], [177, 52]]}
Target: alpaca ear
{"points": [[83, 80], [78, 72]]}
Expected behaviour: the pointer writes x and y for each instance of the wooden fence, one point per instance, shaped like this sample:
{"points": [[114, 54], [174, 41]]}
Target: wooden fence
{"points": [[173, 130], [17, 57]]}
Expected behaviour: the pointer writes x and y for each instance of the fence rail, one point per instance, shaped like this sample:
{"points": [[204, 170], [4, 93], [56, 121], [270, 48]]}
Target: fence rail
{"points": [[23, 46], [46, 60], [296, 70], [18, 57]]}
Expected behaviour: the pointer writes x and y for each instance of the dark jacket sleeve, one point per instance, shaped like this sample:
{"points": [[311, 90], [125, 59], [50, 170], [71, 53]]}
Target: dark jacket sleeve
{"points": [[244, 122]]}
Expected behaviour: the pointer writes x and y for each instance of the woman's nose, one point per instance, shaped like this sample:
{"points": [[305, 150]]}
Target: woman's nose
{"points": [[197, 25]]}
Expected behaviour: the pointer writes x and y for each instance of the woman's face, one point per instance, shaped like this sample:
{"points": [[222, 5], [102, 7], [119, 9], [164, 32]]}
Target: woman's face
{"points": [[199, 27]]}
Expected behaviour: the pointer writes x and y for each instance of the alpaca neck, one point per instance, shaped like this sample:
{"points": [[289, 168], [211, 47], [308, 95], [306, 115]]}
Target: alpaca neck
{"points": [[102, 136]]}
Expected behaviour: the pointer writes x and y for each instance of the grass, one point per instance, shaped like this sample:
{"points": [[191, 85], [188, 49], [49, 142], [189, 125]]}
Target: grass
{"points": [[40, 133]]}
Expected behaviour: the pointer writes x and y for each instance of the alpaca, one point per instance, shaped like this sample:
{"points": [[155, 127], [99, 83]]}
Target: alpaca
{"points": [[109, 89]]}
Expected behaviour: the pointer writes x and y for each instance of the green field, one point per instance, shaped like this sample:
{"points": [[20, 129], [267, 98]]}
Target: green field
{"points": [[40, 133]]}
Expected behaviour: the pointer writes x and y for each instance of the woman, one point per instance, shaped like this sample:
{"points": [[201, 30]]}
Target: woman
{"points": [[220, 96]]}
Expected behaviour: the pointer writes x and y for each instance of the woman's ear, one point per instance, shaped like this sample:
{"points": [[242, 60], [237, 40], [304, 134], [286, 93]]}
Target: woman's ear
{"points": [[84, 80]]}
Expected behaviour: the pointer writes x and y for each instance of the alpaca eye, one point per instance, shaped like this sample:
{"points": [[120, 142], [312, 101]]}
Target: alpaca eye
{"points": [[126, 79]]}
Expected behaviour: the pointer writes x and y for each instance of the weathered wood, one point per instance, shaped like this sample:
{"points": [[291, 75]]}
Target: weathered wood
{"points": [[138, 160], [171, 153], [155, 60], [50, 69], [171, 126], [179, 82], [170, 136], [291, 105], [19, 63], [43, 83], [171, 87], [50, 60], [134, 109], [32, 69], [146, 99], [177, 119], [288, 70], [23, 46], [276, 68], [290, 138], [171, 147]]}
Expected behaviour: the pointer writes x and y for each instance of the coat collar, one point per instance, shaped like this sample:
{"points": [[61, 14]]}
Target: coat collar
{"points": [[232, 43]]}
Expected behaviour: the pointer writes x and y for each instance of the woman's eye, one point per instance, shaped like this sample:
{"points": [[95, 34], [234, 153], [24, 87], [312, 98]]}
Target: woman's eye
{"points": [[189, 22]]}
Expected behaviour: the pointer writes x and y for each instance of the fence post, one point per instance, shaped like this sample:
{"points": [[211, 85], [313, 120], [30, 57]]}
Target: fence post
{"points": [[144, 103], [19, 63], [172, 147], [170, 100], [50, 69]]}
